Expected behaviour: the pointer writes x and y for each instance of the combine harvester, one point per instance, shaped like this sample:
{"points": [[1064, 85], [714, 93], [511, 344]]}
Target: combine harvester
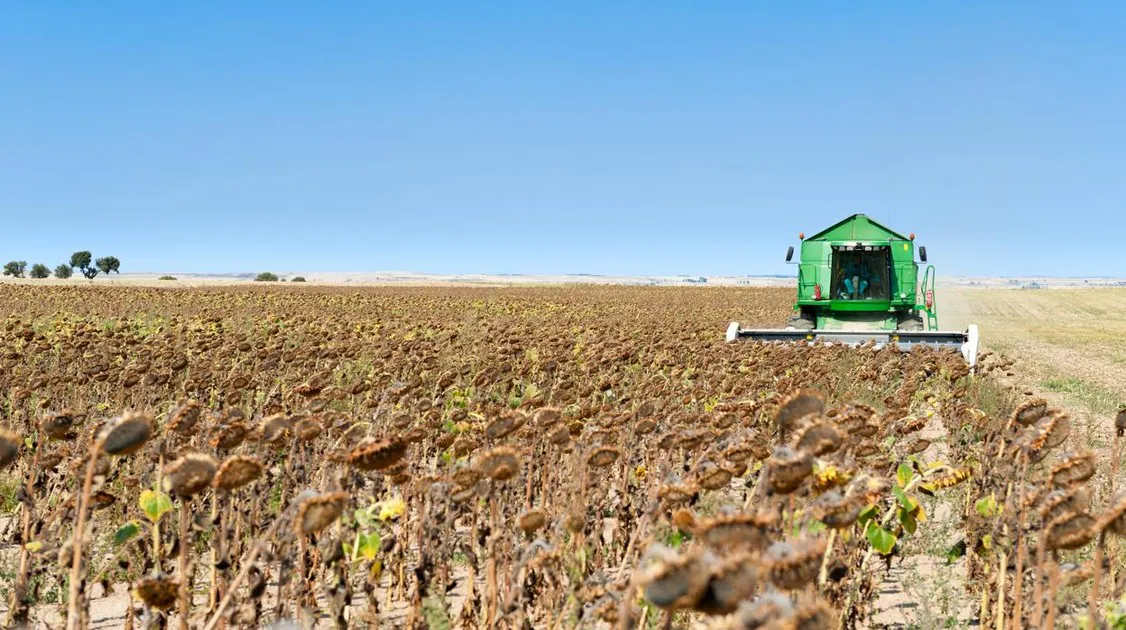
{"points": [[858, 282]]}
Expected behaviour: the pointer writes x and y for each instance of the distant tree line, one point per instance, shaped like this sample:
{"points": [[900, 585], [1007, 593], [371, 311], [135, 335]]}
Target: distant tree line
{"points": [[83, 261]]}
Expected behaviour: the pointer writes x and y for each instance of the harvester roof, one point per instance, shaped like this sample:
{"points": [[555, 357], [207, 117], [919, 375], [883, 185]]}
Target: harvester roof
{"points": [[858, 227]]}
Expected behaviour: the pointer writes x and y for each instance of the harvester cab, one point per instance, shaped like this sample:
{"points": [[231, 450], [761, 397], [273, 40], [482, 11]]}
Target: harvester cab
{"points": [[858, 281]]}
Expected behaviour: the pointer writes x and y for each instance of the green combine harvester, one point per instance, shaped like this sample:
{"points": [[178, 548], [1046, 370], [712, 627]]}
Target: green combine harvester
{"points": [[858, 282]]}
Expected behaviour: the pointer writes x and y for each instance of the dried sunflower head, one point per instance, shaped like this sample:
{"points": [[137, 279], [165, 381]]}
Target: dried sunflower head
{"points": [[230, 435], [771, 610], [712, 476], [126, 434], [732, 581], [793, 565], [750, 532], [1071, 530], [500, 464], [1051, 431], [1059, 502], [677, 581], [547, 417], [796, 406], [867, 448], [157, 591], [835, 510], [184, 417], [819, 438], [788, 468], [559, 436], [1114, 521], [676, 494], [1030, 411], [190, 474], [532, 521], [725, 420], [1073, 469], [58, 425], [237, 471], [318, 512], [308, 428], [9, 447], [603, 456], [505, 425], [373, 454], [918, 446], [645, 426], [276, 428]]}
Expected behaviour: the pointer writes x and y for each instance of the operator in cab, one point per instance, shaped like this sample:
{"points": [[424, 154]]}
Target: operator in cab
{"points": [[855, 283]]}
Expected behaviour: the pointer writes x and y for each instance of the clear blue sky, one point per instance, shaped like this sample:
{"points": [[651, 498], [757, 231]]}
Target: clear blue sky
{"points": [[559, 137]]}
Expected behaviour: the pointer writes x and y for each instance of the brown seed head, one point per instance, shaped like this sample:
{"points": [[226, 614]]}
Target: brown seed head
{"points": [[675, 494], [230, 435], [500, 464], [1064, 501], [676, 582], [819, 438], [1114, 520], [738, 531], [532, 521], [1070, 531], [712, 476], [505, 425], [771, 610], [191, 474], [9, 447], [157, 591], [1073, 469], [603, 456], [237, 471], [793, 565], [126, 434], [796, 406], [1030, 411], [377, 454], [787, 469], [184, 417], [58, 425], [547, 417], [835, 510], [317, 513], [733, 580], [276, 428]]}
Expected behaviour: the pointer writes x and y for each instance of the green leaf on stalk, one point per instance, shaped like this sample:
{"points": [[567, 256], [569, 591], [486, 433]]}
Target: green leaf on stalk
{"points": [[125, 533], [881, 540], [904, 474], [369, 545], [867, 514], [907, 502], [907, 520], [955, 552], [155, 505], [987, 506]]}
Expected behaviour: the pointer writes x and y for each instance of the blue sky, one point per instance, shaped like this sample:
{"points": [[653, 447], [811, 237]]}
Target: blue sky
{"points": [[559, 137]]}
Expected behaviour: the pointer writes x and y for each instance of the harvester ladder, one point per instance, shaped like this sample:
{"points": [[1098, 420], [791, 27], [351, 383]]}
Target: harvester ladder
{"points": [[929, 298]]}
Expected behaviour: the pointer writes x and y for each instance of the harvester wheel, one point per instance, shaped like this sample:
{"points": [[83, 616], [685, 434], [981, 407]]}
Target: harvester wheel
{"points": [[911, 322]]}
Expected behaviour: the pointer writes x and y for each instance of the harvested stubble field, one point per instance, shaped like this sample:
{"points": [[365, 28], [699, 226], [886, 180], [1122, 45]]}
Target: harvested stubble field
{"points": [[534, 457]]}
